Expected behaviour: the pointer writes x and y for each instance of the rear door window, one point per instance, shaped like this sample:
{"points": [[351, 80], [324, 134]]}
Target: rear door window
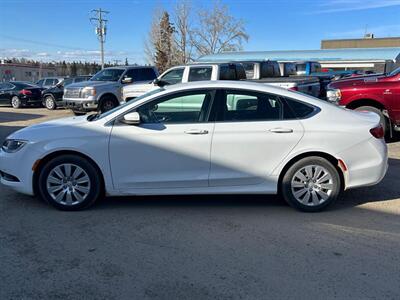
{"points": [[240, 106], [49, 82], [200, 73], [227, 72]]}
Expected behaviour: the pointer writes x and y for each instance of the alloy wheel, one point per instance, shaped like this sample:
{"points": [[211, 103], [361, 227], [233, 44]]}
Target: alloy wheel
{"points": [[15, 102], [312, 185], [68, 184], [49, 103]]}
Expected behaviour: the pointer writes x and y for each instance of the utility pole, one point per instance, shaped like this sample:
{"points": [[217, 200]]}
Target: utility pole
{"points": [[100, 30]]}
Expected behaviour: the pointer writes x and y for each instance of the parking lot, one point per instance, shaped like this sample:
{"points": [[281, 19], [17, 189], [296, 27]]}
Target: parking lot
{"points": [[199, 247]]}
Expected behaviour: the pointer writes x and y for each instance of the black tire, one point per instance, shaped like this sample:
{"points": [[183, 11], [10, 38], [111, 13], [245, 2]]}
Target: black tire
{"points": [[16, 102], [49, 102], [94, 185], [312, 187], [383, 121], [107, 104]]}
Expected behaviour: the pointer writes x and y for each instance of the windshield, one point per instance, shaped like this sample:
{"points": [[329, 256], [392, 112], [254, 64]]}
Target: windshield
{"points": [[105, 114], [108, 75], [394, 72]]}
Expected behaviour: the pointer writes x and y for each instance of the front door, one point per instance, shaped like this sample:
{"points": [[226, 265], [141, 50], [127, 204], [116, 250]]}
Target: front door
{"points": [[250, 138], [169, 149]]}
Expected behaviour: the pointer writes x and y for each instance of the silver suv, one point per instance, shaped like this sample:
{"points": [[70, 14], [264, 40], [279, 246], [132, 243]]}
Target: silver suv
{"points": [[103, 91]]}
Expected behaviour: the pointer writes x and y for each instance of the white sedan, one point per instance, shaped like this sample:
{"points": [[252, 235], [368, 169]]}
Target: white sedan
{"points": [[216, 137]]}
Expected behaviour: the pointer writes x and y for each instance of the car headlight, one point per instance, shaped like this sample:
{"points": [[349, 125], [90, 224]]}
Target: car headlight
{"points": [[333, 95], [11, 146], [88, 92]]}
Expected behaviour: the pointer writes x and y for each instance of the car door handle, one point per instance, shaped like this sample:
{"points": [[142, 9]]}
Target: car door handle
{"points": [[281, 130], [196, 131]]}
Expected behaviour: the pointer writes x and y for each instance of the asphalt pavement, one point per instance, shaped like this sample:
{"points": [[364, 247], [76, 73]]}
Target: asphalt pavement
{"points": [[200, 247]]}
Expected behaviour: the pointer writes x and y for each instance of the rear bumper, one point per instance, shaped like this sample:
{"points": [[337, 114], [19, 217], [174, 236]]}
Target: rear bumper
{"points": [[367, 163]]}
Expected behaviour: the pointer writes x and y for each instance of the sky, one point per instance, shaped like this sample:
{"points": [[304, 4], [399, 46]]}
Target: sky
{"points": [[60, 29]]}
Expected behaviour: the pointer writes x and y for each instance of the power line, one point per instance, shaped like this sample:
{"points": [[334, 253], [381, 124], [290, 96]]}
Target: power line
{"points": [[100, 30]]}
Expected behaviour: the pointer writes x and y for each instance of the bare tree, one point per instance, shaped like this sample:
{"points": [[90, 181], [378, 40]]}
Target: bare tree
{"points": [[182, 21], [159, 47], [218, 31]]}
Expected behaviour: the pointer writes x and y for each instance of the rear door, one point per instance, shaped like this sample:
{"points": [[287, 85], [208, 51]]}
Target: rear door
{"points": [[250, 138]]}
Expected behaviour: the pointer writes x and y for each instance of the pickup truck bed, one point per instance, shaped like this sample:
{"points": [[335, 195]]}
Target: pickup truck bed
{"points": [[305, 84]]}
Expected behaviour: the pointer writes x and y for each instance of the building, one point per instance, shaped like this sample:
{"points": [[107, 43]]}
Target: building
{"points": [[24, 72], [369, 41], [366, 59]]}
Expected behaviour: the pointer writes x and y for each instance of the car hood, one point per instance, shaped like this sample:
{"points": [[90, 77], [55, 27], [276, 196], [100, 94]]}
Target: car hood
{"points": [[49, 129], [90, 84], [354, 81]]}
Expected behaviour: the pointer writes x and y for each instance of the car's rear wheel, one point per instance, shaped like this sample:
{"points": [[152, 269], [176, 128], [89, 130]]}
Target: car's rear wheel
{"points": [[50, 103], [311, 184], [15, 102], [70, 182], [382, 121]]}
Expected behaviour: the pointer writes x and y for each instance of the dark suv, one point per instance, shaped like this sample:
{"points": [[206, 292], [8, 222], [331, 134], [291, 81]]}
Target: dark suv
{"points": [[53, 97]]}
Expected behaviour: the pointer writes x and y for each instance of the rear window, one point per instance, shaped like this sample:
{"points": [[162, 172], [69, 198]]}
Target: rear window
{"points": [[200, 73], [297, 110]]}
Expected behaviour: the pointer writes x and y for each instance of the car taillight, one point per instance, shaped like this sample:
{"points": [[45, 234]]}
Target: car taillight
{"points": [[378, 132], [25, 92], [294, 88]]}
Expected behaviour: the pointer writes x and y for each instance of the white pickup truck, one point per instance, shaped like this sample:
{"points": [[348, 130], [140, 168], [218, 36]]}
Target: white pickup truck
{"points": [[187, 73], [270, 72]]}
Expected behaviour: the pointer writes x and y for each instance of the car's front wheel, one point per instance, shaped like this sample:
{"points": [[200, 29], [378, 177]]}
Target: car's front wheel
{"points": [[50, 103], [107, 104], [69, 182], [311, 184]]}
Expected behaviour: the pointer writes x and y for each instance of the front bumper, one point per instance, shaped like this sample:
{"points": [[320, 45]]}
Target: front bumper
{"points": [[18, 165], [83, 105]]}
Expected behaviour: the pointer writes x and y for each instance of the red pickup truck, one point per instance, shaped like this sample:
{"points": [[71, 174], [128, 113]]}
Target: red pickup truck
{"points": [[377, 93]]}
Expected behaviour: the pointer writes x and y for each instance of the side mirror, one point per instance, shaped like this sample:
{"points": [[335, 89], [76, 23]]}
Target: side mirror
{"points": [[132, 118], [159, 82], [127, 80]]}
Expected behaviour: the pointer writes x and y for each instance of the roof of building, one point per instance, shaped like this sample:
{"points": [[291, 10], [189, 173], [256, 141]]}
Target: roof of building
{"points": [[372, 54]]}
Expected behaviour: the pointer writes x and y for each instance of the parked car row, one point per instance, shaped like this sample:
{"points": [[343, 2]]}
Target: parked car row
{"points": [[22, 93]]}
